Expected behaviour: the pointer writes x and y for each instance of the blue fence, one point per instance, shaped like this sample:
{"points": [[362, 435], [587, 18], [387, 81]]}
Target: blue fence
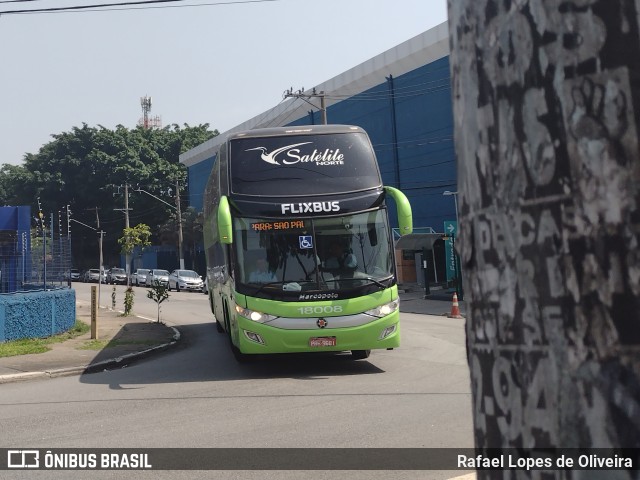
{"points": [[36, 314], [33, 262]]}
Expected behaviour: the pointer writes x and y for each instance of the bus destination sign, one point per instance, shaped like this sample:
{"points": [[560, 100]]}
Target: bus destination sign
{"points": [[277, 225]]}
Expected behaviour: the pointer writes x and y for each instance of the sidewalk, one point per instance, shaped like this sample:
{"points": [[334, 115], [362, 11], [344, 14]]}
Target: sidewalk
{"points": [[121, 339], [412, 300]]}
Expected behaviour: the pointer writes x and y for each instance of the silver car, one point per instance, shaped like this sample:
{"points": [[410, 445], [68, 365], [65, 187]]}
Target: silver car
{"points": [[140, 276], [157, 275], [92, 275], [185, 280]]}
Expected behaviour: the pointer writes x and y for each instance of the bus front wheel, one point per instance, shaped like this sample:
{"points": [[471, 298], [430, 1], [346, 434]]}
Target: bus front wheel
{"points": [[360, 354]]}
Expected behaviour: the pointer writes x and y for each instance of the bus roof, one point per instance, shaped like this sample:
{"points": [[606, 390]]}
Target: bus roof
{"points": [[296, 130]]}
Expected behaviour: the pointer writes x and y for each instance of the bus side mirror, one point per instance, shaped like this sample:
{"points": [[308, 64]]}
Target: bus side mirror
{"points": [[405, 219], [225, 231]]}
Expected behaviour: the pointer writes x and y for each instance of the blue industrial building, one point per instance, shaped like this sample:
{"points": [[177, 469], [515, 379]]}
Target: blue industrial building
{"points": [[402, 98]]}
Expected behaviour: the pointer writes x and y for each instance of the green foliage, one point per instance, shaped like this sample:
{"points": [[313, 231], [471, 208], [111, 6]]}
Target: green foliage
{"points": [[128, 300], [158, 293], [135, 236], [86, 168]]}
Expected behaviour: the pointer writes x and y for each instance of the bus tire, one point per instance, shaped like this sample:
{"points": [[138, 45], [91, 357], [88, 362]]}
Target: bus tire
{"points": [[360, 354], [219, 326], [237, 354]]}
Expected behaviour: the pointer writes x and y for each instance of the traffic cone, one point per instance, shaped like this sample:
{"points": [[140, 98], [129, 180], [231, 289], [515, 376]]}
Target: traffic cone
{"points": [[455, 309]]}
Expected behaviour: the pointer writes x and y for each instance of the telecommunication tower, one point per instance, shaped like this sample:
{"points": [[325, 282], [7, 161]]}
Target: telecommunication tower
{"points": [[147, 121]]}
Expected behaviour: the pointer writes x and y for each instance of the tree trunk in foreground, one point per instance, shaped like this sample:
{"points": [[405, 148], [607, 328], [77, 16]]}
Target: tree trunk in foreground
{"points": [[546, 98]]}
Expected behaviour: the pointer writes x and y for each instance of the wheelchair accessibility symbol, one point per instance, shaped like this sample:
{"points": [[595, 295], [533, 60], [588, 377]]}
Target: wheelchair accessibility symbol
{"points": [[306, 241]]}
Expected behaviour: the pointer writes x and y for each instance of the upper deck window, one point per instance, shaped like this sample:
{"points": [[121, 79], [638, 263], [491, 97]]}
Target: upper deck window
{"points": [[303, 165]]}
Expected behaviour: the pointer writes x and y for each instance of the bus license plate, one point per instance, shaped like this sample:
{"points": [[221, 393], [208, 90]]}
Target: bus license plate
{"points": [[322, 342]]}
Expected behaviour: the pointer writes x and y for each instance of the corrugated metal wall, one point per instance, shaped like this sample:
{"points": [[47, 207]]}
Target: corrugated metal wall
{"points": [[410, 121]]}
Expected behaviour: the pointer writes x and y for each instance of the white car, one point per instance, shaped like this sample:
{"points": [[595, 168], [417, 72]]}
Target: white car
{"points": [[185, 280], [157, 275]]}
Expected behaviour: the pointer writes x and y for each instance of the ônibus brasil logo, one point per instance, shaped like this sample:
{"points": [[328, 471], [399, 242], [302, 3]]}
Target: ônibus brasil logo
{"points": [[290, 155]]}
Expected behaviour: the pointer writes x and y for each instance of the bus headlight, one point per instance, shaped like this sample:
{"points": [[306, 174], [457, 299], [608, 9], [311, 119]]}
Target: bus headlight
{"points": [[253, 315], [384, 310]]}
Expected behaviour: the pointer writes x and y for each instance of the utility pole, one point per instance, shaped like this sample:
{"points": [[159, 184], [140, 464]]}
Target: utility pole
{"points": [[126, 205], [97, 230], [301, 94], [179, 213], [101, 233], [126, 225]]}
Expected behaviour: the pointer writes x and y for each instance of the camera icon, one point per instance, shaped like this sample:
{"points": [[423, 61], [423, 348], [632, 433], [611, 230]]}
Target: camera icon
{"points": [[23, 459]]}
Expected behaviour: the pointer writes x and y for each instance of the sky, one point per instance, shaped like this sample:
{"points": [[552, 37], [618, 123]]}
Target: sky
{"points": [[217, 64]]}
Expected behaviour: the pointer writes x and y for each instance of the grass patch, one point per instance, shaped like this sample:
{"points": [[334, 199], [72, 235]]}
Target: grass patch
{"points": [[26, 346], [102, 344]]}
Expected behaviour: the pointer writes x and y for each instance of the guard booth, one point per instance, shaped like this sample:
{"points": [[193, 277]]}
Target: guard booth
{"points": [[429, 251]]}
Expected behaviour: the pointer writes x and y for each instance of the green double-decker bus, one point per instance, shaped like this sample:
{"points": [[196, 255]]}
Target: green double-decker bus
{"points": [[299, 250]]}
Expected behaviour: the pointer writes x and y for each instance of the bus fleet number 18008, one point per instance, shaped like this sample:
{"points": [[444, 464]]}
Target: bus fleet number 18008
{"points": [[319, 310]]}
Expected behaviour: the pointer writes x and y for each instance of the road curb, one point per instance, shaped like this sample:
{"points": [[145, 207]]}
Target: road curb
{"points": [[120, 361]]}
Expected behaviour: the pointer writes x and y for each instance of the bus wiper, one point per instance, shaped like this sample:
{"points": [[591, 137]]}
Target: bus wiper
{"points": [[380, 284], [370, 279], [278, 283]]}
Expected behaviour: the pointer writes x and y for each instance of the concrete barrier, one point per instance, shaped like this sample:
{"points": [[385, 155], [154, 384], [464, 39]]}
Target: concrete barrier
{"points": [[36, 314]]}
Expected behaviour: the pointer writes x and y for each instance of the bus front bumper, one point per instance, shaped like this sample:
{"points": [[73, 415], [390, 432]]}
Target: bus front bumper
{"points": [[257, 338]]}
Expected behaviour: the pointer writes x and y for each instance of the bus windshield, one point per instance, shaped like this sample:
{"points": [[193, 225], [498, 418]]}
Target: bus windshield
{"points": [[278, 259]]}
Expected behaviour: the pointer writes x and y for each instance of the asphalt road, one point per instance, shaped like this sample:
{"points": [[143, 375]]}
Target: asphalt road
{"points": [[196, 395]]}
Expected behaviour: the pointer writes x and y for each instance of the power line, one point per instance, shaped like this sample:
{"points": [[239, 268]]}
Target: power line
{"points": [[17, 1], [103, 7], [84, 7]]}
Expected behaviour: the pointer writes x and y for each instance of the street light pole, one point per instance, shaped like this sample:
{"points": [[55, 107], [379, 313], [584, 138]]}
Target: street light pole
{"points": [[178, 213], [447, 193], [98, 230], [458, 268]]}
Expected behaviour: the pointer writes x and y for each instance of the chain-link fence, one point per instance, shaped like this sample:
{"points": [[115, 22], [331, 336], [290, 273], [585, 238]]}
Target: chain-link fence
{"points": [[34, 261]]}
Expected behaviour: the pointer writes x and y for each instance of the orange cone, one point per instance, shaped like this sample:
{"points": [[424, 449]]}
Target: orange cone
{"points": [[455, 309]]}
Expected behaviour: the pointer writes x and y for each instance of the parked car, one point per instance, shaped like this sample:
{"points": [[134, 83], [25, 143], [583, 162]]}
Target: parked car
{"points": [[185, 280], [72, 274], [92, 275], [205, 286], [139, 277], [157, 275], [117, 275]]}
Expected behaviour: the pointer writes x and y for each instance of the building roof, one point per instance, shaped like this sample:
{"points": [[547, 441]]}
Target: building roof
{"points": [[410, 55]]}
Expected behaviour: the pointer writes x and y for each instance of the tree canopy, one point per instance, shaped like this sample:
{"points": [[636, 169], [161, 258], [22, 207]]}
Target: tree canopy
{"points": [[87, 168]]}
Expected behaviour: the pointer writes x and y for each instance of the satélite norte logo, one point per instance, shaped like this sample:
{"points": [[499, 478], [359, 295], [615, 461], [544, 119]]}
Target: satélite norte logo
{"points": [[290, 155]]}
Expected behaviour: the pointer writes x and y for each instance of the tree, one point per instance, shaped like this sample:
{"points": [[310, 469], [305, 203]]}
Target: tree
{"points": [[546, 100], [87, 168], [158, 293], [133, 237]]}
